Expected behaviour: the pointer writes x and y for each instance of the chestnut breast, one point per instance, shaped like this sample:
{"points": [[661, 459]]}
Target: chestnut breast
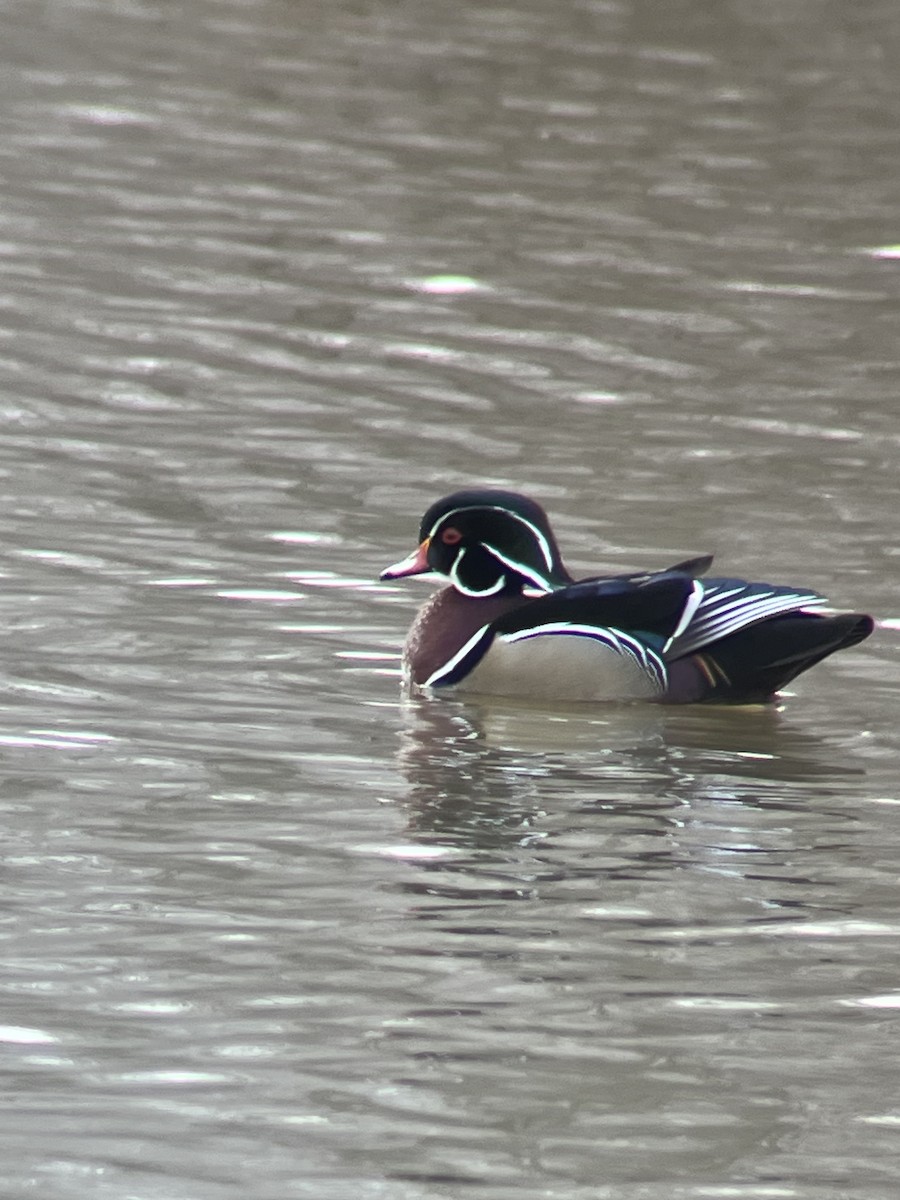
{"points": [[444, 624]]}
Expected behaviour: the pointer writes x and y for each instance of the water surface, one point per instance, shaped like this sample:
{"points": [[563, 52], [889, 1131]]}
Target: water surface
{"points": [[276, 277]]}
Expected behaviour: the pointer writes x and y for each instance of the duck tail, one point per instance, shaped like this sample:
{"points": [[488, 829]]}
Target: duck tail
{"points": [[751, 665]]}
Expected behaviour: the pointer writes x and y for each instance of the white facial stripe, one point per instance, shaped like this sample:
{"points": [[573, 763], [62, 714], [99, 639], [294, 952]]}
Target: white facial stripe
{"points": [[538, 580], [536, 533], [467, 591]]}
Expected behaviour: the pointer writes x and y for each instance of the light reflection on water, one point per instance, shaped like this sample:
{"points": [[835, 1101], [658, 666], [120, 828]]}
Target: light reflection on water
{"points": [[273, 930]]}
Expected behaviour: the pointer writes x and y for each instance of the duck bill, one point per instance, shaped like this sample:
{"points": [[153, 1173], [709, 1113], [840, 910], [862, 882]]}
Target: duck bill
{"points": [[414, 564]]}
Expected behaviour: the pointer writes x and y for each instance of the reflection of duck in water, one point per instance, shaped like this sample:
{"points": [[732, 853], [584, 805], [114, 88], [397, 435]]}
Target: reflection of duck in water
{"points": [[488, 775], [502, 747], [513, 621]]}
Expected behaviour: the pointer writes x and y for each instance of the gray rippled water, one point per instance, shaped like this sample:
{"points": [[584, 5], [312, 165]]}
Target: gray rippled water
{"points": [[275, 277]]}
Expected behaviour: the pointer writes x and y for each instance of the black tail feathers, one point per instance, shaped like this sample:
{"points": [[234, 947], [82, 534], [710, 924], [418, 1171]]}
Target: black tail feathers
{"points": [[754, 663]]}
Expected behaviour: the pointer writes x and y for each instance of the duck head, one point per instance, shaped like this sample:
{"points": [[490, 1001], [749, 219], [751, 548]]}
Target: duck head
{"points": [[486, 542]]}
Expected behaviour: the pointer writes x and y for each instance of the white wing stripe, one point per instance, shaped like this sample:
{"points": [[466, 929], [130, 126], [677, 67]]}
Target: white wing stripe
{"points": [[691, 606], [744, 615], [754, 605], [726, 610], [594, 631]]}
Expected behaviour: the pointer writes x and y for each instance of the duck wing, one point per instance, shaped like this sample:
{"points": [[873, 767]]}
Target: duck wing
{"points": [[597, 639], [692, 567], [650, 606], [728, 605]]}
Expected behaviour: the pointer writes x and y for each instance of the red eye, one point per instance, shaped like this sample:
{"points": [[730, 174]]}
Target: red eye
{"points": [[451, 536]]}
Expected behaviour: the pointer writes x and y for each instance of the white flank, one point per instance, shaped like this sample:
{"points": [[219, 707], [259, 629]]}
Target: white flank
{"points": [[569, 662]]}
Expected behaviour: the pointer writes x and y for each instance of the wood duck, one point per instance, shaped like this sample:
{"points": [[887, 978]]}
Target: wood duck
{"points": [[514, 622]]}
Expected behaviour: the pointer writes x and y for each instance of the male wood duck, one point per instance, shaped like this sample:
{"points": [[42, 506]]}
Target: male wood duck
{"points": [[513, 621]]}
